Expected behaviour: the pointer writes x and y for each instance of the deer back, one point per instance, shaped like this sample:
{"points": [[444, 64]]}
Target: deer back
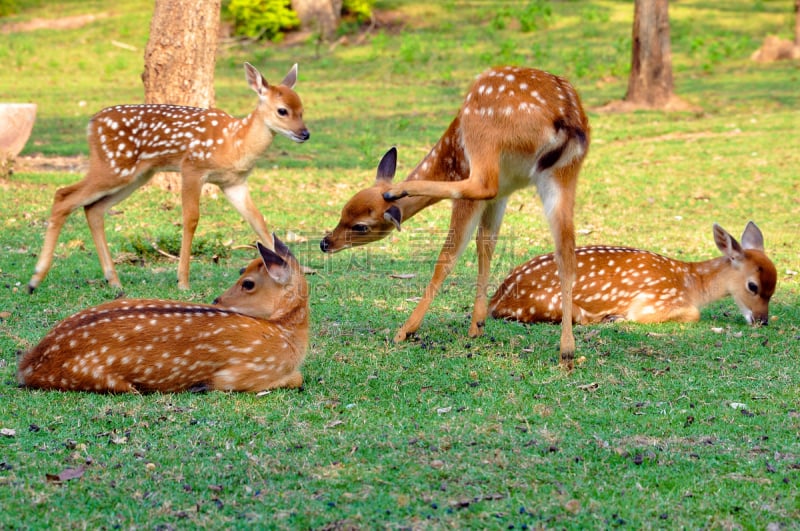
{"points": [[638, 285]]}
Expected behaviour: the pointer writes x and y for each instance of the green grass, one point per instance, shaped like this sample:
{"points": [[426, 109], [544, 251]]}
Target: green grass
{"points": [[444, 431]]}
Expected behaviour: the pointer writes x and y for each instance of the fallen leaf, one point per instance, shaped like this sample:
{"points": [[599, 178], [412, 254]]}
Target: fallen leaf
{"points": [[594, 386], [8, 432], [402, 275], [66, 474], [334, 424], [443, 410]]}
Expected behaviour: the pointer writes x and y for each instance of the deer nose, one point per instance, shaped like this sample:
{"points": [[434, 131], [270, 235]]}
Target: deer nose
{"points": [[216, 301], [324, 245], [763, 319], [303, 135]]}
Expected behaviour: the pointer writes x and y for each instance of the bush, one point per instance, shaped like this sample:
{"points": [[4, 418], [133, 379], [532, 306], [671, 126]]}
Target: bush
{"points": [[262, 19], [7, 7], [360, 9]]}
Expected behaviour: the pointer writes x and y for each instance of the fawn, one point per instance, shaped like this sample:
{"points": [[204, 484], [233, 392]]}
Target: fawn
{"points": [[128, 144], [623, 283], [254, 337], [517, 127]]}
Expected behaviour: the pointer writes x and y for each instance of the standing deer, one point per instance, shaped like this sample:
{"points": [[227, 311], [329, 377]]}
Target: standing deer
{"points": [[517, 127], [622, 283], [130, 143], [253, 338]]}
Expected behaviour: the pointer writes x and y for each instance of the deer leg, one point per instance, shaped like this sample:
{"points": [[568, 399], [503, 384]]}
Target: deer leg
{"points": [[239, 196], [559, 205], [463, 218], [66, 200], [486, 241], [191, 186], [243, 378], [482, 184], [95, 218]]}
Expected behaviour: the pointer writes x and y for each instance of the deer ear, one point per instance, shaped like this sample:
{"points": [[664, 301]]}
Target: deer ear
{"points": [[254, 79], [281, 248], [752, 237], [727, 244], [277, 268], [291, 78], [387, 166], [394, 216]]}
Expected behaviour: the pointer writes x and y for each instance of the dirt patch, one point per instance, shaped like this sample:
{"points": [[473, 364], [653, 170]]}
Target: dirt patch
{"points": [[40, 163], [63, 23]]}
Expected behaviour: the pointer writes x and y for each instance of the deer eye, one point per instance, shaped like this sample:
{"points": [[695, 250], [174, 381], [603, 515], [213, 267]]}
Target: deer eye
{"points": [[360, 228], [241, 271], [248, 285], [752, 287], [283, 112]]}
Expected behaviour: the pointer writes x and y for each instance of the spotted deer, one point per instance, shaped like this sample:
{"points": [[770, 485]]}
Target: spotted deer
{"points": [[517, 127], [254, 337], [128, 144], [622, 283]]}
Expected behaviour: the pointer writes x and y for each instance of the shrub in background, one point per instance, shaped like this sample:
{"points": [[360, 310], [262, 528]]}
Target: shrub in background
{"points": [[261, 19], [270, 19], [7, 7]]}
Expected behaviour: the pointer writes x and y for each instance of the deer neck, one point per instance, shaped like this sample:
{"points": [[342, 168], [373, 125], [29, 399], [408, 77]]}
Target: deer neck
{"points": [[250, 137], [292, 328], [446, 161], [709, 280]]}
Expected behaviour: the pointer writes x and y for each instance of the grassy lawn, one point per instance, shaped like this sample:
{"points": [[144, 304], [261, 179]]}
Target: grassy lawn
{"points": [[660, 426]]}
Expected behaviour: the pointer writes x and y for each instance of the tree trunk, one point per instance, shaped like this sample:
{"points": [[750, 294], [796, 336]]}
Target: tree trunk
{"points": [[320, 15], [797, 22], [650, 83], [180, 58], [181, 53]]}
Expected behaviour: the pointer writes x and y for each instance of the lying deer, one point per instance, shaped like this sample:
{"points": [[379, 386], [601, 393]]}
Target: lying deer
{"points": [[130, 143], [623, 283], [253, 338], [517, 127]]}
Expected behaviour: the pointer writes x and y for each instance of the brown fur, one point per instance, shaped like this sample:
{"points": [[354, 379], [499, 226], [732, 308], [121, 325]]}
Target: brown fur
{"points": [[624, 283], [253, 338], [129, 143], [517, 127]]}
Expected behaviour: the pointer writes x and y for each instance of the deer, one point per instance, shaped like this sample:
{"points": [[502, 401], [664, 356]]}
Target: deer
{"points": [[622, 283], [517, 127], [252, 338], [128, 144]]}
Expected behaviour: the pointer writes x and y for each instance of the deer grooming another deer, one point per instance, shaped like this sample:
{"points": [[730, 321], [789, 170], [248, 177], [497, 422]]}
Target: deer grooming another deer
{"points": [[623, 283], [253, 338], [129, 143], [517, 127]]}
